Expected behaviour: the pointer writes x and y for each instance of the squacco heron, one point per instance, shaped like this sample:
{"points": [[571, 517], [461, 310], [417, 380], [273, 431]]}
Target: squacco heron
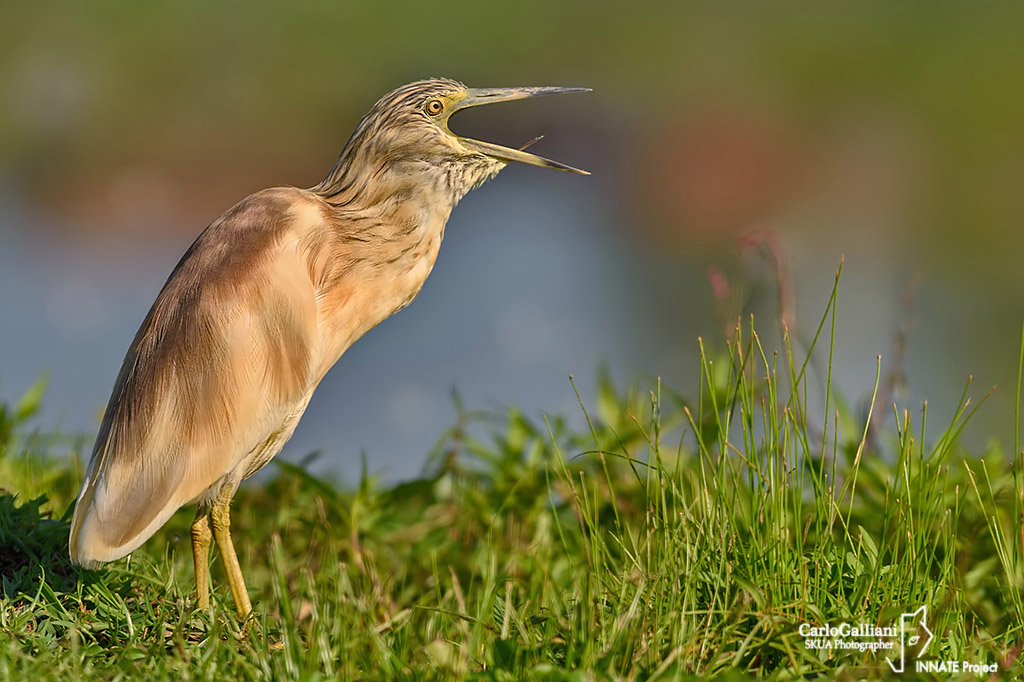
{"points": [[261, 305]]}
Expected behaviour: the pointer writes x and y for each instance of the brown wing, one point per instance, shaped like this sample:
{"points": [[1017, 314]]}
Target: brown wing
{"points": [[226, 354]]}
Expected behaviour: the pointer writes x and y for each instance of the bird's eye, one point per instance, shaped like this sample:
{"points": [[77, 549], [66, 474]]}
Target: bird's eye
{"points": [[434, 107]]}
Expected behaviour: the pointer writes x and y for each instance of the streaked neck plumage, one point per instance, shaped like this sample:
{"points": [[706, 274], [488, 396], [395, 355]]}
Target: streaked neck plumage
{"points": [[392, 221]]}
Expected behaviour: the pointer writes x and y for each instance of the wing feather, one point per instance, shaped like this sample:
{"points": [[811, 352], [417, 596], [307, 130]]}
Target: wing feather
{"points": [[225, 356]]}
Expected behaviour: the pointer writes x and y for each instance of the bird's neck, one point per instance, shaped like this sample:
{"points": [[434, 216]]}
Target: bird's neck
{"points": [[395, 216], [379, 250], [399, 206], [382, 187], [388, 226]]}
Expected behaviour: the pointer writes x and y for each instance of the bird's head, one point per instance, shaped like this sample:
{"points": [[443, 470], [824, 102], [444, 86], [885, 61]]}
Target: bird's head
{"points": [[407, 131]]}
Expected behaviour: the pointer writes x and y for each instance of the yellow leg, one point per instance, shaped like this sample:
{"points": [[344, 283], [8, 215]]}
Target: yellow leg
{"points": [[220, 519], [200, 552]]}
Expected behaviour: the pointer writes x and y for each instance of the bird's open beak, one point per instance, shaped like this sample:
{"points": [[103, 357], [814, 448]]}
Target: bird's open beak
{"points": [[477, 96]]}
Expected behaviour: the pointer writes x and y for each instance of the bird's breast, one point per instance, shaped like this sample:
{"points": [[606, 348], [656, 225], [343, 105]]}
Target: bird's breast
{"points": [[377, 278]]}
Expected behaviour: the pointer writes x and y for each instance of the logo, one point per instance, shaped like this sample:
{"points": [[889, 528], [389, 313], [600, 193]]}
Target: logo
{"points": [[911, 624], [904, 641]]}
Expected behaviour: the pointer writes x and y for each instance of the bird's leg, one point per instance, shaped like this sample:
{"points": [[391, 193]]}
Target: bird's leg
{"points": [[220, 519], [201, 537]]}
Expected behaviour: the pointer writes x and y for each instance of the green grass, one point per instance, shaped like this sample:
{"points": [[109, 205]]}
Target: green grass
{"points": [[676, 538]]}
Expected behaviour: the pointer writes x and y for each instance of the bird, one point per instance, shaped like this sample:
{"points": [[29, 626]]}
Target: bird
{"points": [[260, 307]]}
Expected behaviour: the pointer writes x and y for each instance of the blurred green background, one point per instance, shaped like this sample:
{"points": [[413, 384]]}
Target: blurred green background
{"points": [[733, 146]]}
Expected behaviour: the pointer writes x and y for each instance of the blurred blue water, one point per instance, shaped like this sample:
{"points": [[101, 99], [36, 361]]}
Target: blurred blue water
{"points": [[534, 282], [530, 286]]}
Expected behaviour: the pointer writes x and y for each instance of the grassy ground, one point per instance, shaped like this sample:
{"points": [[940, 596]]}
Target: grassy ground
{"points": [[679, 538]]}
